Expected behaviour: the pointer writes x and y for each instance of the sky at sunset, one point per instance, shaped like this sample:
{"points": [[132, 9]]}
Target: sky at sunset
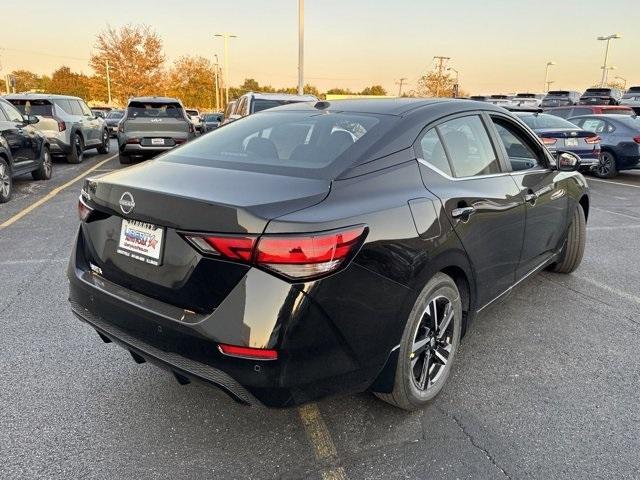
{"points": [[498, 46]]}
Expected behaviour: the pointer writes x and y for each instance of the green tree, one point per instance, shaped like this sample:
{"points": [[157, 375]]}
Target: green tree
{"points": [[339, 91], [192, 80], [135, 57], [27, 81], [374, 90]]}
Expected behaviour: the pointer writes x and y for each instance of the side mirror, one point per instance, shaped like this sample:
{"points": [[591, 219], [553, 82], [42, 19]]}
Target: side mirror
{"points": [[567, 161], [30, 119]]}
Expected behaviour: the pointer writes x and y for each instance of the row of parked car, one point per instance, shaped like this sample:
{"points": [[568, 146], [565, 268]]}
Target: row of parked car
{"points": [[567, 98]]}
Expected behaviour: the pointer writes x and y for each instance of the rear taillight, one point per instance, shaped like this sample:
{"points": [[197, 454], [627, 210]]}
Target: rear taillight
{"points": [[295, 257], [133, 140], [636, 139], [121, 126], [61, 125], [549, 141], [248, 352], [84, 210], [592, 140]]}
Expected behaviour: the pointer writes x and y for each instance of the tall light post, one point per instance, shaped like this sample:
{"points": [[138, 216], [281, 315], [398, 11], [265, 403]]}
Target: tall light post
{"points": [[605, 69], [226, 37], [300, 47], [546, 76], [108, 69], [216, 75], [457, 86], [624, 80]]}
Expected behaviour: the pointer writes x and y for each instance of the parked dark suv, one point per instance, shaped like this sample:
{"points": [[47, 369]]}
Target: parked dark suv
{"points": [[324, 247], [568, 112], [601, 96], [152, 125], [23, 149]]}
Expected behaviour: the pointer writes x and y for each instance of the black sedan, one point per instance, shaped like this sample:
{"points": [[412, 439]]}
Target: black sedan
{"points": [[322, 248], [112, 119], [22, 149]]}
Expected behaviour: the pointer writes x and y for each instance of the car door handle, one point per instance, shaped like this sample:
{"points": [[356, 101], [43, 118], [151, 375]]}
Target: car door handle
{"points": [[463, 212], [531, 197]]}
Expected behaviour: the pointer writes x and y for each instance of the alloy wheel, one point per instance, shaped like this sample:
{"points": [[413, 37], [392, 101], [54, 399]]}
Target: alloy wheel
{"points": [[105, 141], [5, 181], [47, 163], [78, 146], [432, 343], [605, 164]]}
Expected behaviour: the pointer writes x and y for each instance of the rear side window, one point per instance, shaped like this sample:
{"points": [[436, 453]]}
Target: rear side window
{"points": [[297, 143], [76, 109], [3, 117], [34, 107], [468, 147], [594, 125], [155, 110], [64, 105], [433, 151], [12, 113]]}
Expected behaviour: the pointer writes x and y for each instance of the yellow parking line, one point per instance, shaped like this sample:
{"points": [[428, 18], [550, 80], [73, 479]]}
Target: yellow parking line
{"points": [[52, 194], [318, 433]]}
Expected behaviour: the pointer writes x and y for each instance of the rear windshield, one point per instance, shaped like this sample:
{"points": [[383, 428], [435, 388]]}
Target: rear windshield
{"points": [[193, 113], [155, 110], [307, 144], [542, 120], [597, 92], [618, 111], [34, 107], [262, 104], [115, 114], [212, 117], [556, 94], [634, 90]]}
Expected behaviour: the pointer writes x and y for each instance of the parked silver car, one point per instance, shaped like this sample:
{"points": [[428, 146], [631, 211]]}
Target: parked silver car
{"points": [[632, 99], [196, 119], [67, 122], [152, 125], [253, 102]]}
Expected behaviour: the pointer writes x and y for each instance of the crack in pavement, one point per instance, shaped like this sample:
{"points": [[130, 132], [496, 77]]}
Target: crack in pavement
{"points": [[473, 441]]}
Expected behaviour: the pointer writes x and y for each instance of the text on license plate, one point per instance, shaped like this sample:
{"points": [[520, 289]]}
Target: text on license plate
{"points": [[157, 141], [141, 241], [571, 142]]}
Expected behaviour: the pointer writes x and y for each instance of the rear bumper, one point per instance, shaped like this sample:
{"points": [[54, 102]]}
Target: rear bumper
{"points": [[317, 355], [137, 149]]}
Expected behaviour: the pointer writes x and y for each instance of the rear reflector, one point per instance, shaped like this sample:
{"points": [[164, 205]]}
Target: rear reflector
{"points": [[592, 140], [83, 210], [296, 256], [636, 139], [248, 352], [549, 141], [61, 125]]}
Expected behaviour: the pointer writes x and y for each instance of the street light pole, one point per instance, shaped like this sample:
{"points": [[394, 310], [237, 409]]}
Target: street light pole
{"points": [[216, 67], [108, 82], [607, 39], [226, 37], [300, 47], [546, 76]]}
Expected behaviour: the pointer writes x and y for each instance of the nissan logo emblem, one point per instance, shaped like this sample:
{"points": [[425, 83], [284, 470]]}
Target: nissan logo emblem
{"points": [[127, 204]]}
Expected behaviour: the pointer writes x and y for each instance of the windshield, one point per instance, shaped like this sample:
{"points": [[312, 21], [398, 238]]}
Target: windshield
{"points": [[193, 113], [155, 110], [116, 114], [540, 121], [295, 143], [34, 107], [212, 117]]}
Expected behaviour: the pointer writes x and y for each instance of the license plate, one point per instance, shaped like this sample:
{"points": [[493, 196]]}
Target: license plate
{"points": [[141, 241], [157, 141], [571, 142]]}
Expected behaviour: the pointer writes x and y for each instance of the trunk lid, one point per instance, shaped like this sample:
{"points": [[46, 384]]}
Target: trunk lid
{"points": [[177, 198], [155, 127]]}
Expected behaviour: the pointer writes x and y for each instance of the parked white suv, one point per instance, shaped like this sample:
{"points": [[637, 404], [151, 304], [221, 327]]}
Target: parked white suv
{"points": [[67, 122], [253, 102]]}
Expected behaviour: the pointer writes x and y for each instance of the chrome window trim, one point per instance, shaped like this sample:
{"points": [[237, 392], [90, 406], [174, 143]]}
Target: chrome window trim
{"points": [[490, 175]]}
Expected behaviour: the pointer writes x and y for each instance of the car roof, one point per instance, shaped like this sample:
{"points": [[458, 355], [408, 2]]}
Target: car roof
{"points": [[155, 99], [38, 96], [383, 106]]}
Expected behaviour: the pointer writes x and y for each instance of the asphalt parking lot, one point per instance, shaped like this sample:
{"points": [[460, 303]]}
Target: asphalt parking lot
{"points": [[546, 384]]}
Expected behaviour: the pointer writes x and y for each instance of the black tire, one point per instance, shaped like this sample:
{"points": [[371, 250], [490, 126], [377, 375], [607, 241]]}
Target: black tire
{"points": [[105, 146], [606, 167], [6, 181], [45, 170], [574, 248], [412, 359], [77, 149], [124, 159]]}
